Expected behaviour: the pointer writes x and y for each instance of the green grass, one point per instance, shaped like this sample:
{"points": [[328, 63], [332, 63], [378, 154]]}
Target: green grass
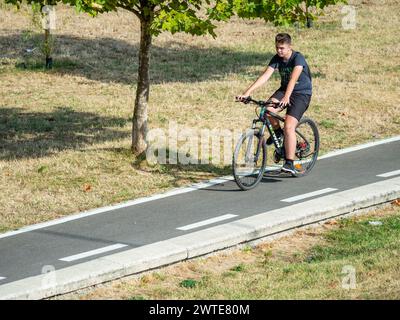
{"points": [[137, 298], [359, 239], [327, 124], [188, 283], [239, 268]]}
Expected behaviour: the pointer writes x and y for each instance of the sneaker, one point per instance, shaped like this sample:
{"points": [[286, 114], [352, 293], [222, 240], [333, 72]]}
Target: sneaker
{"points": [[279, 134], [289, 167]]}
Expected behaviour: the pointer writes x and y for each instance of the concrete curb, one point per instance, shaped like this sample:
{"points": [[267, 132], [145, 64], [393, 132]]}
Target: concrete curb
{"points": [[201, 242]]}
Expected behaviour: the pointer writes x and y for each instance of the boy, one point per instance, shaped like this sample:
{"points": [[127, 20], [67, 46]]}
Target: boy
{"points": [[294, 93]]}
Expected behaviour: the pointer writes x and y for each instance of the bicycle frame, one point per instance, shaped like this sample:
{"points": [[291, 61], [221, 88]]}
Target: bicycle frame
{"points": [[263, 117], [267, 124]]}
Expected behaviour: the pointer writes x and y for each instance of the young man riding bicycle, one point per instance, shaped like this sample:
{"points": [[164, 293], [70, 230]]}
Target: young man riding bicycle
{"points": [[294, 93]]}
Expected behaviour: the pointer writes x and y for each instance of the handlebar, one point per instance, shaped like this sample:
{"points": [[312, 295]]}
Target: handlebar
{"points": [[258, 102]]}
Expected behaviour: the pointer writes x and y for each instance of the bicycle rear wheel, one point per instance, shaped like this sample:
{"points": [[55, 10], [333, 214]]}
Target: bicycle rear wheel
{"points": [[307, 146], [248, 162]]}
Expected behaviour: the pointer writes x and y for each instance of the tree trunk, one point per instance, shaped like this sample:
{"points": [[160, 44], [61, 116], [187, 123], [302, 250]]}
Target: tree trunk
{"points": [[309, 20], [139, 121], [47, 46]]}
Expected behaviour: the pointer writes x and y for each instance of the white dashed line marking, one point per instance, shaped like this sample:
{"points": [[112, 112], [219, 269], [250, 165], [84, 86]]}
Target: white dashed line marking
{"points": [[389, 174], [93, 252], [208, 221], [309, 195]]}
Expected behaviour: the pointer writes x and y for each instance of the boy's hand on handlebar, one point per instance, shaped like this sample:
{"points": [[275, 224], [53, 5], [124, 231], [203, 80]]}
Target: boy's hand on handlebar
{"points": [[244, 99]]}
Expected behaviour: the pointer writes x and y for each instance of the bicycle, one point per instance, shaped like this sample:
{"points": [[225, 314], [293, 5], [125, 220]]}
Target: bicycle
{"points": [[250, 159]]}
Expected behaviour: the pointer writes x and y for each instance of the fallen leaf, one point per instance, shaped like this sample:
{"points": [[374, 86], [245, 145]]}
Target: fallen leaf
{"points": [[87, 187], [332, 222], [396, 202]]}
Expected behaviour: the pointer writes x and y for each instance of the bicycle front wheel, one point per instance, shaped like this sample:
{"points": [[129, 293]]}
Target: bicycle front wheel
{"points": [[248, 162]]}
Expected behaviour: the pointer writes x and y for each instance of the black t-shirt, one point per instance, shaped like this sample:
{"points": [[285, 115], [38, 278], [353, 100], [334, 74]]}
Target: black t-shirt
{"points": [[303, 84]]}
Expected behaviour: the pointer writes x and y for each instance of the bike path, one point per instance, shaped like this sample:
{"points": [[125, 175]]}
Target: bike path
{"points": [[27, 254]]}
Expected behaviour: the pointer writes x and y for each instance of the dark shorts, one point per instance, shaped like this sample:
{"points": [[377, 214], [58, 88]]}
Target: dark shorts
{"points": [[299, 103]]}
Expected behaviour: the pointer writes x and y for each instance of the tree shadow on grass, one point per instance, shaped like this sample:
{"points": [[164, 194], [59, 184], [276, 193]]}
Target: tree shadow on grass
{"points": [[112, 60], [179, 170], [38, 134], [181, 174]]}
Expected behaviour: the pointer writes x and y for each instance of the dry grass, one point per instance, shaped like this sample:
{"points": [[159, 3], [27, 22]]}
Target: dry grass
{"points": [[285, 268], [65, 133]]}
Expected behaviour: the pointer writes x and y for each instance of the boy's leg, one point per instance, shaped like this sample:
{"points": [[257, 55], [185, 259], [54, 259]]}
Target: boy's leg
{"points": [[298, 105], [275, 123], [290, 137]]}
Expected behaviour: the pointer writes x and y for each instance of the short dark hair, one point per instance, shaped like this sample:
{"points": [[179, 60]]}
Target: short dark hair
{"points": [[283, 38]]}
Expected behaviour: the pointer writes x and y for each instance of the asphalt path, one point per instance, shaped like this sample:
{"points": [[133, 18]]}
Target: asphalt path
{"points": [[62, 245]]}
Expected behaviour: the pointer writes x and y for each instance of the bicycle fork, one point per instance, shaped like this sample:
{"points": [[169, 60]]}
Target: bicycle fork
{"points": [[249, 153]]}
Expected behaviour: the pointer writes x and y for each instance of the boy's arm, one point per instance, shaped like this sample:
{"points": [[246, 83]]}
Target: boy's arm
{"points": [[260, 81], [292, 82]]}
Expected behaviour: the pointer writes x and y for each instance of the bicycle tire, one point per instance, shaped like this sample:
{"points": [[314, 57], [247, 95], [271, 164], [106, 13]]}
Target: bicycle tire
{"points": [[245, 176], [307, 136]]}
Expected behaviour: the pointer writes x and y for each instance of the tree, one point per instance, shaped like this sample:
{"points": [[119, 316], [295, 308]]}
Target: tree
{"points": [[155, 16], [196, 17], [43, 9]]}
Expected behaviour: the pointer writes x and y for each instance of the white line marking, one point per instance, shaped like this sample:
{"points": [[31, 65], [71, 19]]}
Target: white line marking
{"points": [[358, 147], [309, 195], [389, 174], [2, 278], [205, 222], [130, 203], [194, 187], [93, 252]]}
